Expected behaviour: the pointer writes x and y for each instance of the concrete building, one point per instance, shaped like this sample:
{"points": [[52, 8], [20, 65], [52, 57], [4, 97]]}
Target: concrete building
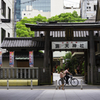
{"points": [[35, 6], [88, 8], [55, 9], [18, 9], [62, 7], [29, 13], [6, 13]]}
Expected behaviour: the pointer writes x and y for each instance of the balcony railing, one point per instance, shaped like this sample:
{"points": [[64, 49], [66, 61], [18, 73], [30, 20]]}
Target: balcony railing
{"points": [[19, 73]]}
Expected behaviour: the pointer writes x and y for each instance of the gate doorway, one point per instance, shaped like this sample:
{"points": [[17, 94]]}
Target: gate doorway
{"points": [[75, 61]]}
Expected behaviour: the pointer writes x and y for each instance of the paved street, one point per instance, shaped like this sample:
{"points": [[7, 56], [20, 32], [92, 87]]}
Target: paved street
{"points": [[49, 94]]}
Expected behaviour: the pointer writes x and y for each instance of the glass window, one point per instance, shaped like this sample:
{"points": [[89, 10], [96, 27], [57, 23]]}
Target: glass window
{"points": [[40, 5], [3, 6], [3, 33], [9, 13], [87, 3], [8, 34], [95, 7]]}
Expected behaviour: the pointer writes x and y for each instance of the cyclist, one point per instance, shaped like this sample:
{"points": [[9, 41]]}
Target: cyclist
{"points": [[66, 72]]}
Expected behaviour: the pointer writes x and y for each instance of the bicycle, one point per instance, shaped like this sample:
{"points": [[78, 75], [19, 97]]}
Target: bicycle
{"points": [[73, 81]]}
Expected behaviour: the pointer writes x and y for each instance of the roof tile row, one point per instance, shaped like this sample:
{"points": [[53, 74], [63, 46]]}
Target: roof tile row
{"points": [[21, 43]]}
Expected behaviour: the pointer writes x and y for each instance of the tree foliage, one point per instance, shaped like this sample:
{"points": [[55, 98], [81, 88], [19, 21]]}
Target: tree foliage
{"points": [[67, 17], [23, 31], [70, 62]]}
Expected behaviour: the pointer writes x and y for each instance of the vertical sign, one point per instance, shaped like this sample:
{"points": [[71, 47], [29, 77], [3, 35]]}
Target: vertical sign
{"points": [[11, 59], [31, 58], [0, 58]]}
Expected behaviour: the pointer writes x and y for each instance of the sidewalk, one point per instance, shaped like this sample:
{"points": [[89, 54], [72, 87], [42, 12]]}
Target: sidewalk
{"points": [[49, 94]]}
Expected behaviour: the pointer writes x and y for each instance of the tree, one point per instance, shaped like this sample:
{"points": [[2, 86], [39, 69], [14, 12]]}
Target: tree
{"points": [[67, 17], [23, 31], [70, 62]]}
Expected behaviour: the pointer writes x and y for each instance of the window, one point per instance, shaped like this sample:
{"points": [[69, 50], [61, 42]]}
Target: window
{"points": [[3, 33], [9, 13], [95, 7], [87, 3], [8, 34], [89, 7], [3, 5]]}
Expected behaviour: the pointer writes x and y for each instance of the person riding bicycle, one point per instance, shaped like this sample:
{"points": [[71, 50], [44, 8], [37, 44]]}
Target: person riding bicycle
{"points": [[67, 73]]}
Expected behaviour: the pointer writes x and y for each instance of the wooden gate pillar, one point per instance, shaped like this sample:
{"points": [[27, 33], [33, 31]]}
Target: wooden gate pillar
{"points": [[92, 55], [45, 76], [86, 66], [47, 48]]}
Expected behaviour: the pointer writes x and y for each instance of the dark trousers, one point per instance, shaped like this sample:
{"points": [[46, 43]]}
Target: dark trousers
{"points": [[67, 77]]}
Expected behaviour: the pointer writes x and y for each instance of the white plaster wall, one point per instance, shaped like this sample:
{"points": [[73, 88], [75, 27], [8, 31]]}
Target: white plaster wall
{"points": [[6, 26], [56, 7]]}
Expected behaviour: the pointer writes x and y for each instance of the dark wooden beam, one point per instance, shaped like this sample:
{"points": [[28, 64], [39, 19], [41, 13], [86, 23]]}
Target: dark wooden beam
{"points": [[74, 39], [63, 26], [22, 48], [46, 48], [92, 55], [64, 39]]}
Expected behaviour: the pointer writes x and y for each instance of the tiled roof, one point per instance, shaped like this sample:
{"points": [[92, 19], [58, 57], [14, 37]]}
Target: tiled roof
{"points": [[21, 42]]}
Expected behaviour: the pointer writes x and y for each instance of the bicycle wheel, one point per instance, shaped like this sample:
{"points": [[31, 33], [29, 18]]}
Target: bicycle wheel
{"points": [[60, 83], [74, 82]]}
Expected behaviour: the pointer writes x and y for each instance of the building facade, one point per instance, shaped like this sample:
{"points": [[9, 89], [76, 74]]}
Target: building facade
{"points": [[6, 13], [18, 9], [88, 8], [30, 13], [52, 9]]}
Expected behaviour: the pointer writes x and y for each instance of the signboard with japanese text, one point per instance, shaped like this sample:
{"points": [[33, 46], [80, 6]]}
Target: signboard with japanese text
{"points": [[31, 59], [11, 59], [70, 45], [0, 58]]}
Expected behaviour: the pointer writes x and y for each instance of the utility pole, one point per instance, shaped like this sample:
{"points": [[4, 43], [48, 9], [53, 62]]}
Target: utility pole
{"points": [[13, 3], [14, 18]]}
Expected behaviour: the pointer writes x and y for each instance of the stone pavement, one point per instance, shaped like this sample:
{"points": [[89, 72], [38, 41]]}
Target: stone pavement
{"points": [[49, 94]]}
